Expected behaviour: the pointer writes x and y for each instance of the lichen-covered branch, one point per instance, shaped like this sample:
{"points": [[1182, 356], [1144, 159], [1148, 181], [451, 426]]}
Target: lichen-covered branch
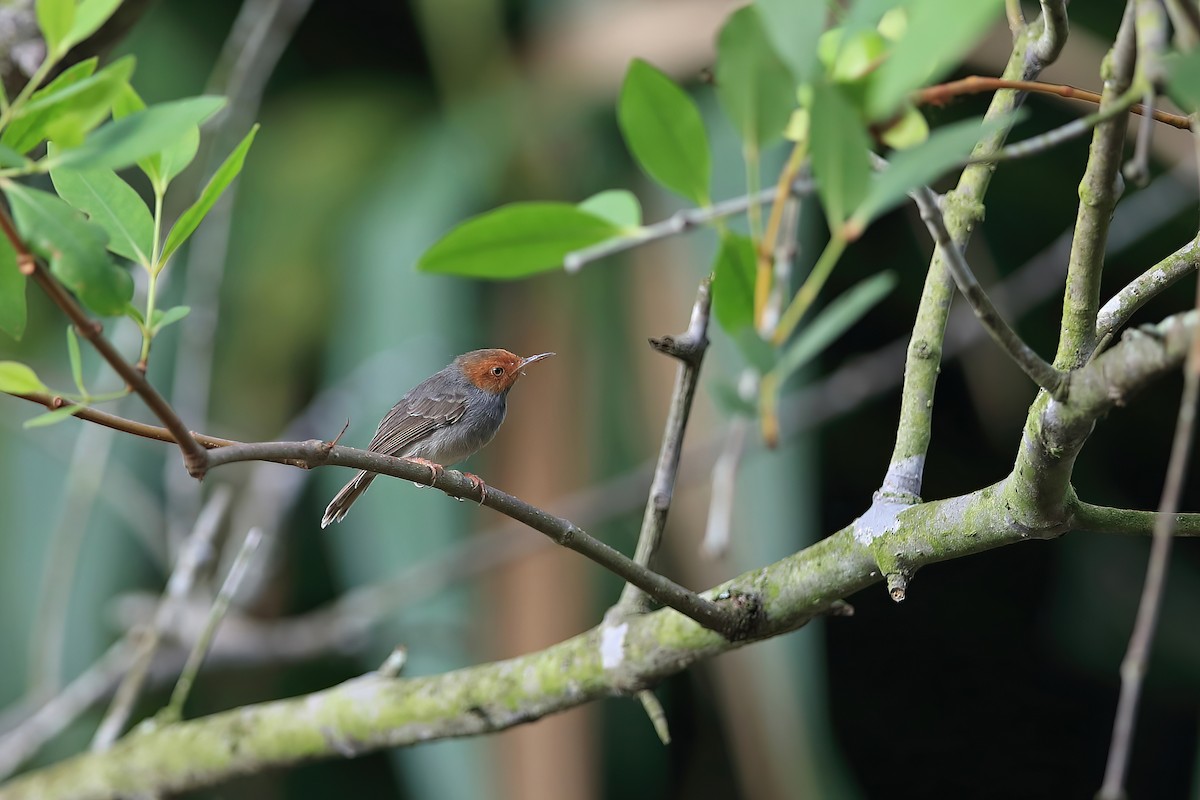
{"points": [[1116, 313], [1098, 192], [377, 711], [963, 210]]}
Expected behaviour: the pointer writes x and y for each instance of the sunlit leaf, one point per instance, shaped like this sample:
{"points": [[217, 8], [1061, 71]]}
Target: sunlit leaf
{"points": [[113, 205], [164, 166], [123, 141], [78, 94], [172, 315], [12, 292], [664, 132], [839, 154], [74, 248], [216, 186], [733, 283], [89, 16], [17, 378], [516, 240], [618, 206], [55, 18], [938, 34], [832, 321], [51, 417]]}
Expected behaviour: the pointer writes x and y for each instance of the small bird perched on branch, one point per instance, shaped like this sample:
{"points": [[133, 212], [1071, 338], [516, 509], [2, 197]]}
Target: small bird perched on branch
{"points": [[446, 418]]}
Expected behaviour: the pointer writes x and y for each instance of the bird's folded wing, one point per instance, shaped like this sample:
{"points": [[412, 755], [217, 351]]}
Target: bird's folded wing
{"points": [[412, 419]]}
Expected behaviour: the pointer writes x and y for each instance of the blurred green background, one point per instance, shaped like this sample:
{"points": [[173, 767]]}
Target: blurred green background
{"points": [[383, 125]]}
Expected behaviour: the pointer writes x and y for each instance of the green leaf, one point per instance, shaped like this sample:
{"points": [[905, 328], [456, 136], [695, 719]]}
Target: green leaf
{"points": [[618, 206], [89, 16], [55, 18], [12, 291], [17, 378], [793, 26], [516, 240], [76, 359], [51, 417], [164, 318], [664, 132], [74, 248], [162, 167], [112, 204], [833, 320], [76, 96], [759, 354], [839, 154], [733, 283], [1183, 79], [948, 146], [755, 88], [122, 142], [938, 34], [190, 219]]}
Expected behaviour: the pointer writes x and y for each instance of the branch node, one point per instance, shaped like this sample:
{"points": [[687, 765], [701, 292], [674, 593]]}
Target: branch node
{"points": [[897, 584], [27, 264], [394, 663]]}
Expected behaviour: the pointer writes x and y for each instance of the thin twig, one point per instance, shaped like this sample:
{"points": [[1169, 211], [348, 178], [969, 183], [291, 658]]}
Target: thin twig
{"points": [[1041, 372], [194, 457], [1137, 168], [1116, 313], [1134, 665], [688, 348], [197, 551], [317, 453], [679, 222], [974, 84], [718, 529], [174, 710]]}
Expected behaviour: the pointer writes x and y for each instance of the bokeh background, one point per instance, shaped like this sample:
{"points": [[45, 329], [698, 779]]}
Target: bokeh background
{"points": [[383, 125]]}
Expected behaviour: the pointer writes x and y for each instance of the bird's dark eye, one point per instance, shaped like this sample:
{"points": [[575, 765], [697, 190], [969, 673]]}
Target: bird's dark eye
{"points": [[497, 371]]}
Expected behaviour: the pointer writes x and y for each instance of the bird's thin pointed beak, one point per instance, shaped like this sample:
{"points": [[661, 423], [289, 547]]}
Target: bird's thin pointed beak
{"points": [[525, 362]]}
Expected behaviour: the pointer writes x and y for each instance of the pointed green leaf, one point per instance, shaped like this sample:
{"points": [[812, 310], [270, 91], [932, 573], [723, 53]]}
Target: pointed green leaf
{"points": [[12, 292], [733, 283], [516, 240], [51, 417], [793, 27], [833, 320], [89, 16], [190, 219], [17, 378], [55, 18], [112, 204], [664, 132], [938, 34], [76, 359], [839, 154], [74, 248], [755, 88], [172, 315], [122, 142], [76, 94], [162, 167], [618, 206], [948, 146]]}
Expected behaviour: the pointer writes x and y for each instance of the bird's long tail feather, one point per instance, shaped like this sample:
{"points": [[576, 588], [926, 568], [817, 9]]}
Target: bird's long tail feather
{"points": [[341, 502]]}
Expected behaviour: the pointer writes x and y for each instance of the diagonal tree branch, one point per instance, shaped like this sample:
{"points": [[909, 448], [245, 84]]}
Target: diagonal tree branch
{"points": [[688, 348], [193, 453]]}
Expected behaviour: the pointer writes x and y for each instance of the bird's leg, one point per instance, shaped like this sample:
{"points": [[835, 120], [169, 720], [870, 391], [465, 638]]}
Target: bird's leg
{"points": [[478, 483], [435, 470]]}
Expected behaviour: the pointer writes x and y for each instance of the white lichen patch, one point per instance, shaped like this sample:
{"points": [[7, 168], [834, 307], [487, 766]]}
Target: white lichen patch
{"points": [[612, 645]]}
